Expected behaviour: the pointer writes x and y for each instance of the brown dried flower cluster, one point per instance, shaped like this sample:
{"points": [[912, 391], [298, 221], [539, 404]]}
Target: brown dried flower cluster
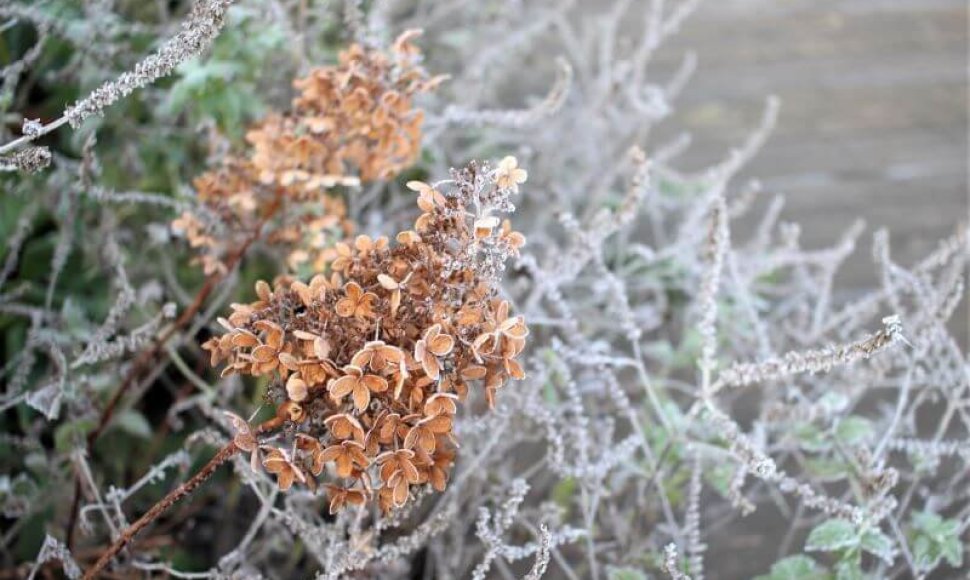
{"points": [[370, 364], [350, 123]]}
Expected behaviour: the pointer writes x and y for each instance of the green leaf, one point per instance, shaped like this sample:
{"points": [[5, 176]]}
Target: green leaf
{"points": [[827, 469], [935, 526], [849, 570], [564, 492], [952, 550], [72, 434], [854, 430], [834, 402], [134, 423], [878, 544], [625, 574], [936, 539], [796, 568], [832, 535], [811, 438], [926, 553]]}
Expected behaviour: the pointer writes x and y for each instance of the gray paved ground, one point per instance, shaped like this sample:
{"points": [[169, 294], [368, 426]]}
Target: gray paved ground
{"points": [[874, 110]]}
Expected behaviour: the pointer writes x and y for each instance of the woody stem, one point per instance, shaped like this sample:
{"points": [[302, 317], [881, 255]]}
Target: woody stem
{"points": [[161, 507], [144, 360]]}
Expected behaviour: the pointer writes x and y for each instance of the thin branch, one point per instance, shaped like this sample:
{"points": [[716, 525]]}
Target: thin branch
{"points": [[198, 31], [161, 507]]}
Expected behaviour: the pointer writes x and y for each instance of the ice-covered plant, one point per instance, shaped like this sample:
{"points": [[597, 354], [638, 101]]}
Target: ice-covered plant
{"points": [[699, 396]]}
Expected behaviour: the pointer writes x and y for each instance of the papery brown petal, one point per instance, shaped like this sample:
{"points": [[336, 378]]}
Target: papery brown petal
{"points": [[244, 339], [400, 492], [411, 439], [331, 453], [502, 313], [430, 365], [410, 472], [345, 307], [361, 396], [515, 327], [441, 344], [514, 369], [375, 383], [263, 291], [473, 372], [284, 479], [438, 479], [341, 387], [264, 354], [303, 291], [304, 335], [362, 358], [296, 389], [336, 502], [438, 424], [344, 465], [289, 361]]}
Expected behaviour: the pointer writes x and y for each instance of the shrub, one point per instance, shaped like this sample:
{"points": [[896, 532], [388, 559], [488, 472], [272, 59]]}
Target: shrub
{"points": [[681, 383]]}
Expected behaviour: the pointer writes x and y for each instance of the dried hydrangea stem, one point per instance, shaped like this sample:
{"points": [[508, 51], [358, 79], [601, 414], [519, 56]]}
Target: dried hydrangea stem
{"points": [[54, 550], [148, 356], [670, 566], [161, 507], [715, 249], [197, 33], [30, 160], [550, 105], [811, 361]]}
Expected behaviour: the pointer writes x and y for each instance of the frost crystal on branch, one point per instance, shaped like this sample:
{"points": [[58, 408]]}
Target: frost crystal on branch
{"points": [[812, 361], [198, 31]]}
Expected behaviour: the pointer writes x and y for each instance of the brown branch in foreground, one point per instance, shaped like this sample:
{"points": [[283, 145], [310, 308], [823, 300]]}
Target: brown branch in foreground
{"points": [[143, 362], [159, 508], [147, 357]]}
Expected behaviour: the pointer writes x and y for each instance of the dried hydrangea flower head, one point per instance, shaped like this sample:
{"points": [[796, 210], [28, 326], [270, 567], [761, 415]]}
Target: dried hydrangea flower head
{"points": [[370, 364], [350, 123]]}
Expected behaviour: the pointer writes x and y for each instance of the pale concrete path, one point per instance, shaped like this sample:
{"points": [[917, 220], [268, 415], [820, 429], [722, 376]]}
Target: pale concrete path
{"points": [[874, 110]]}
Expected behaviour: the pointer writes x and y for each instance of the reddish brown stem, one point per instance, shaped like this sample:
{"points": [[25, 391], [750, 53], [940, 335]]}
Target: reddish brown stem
{"points": [[147, 357], [159, 508], [143, 362]]}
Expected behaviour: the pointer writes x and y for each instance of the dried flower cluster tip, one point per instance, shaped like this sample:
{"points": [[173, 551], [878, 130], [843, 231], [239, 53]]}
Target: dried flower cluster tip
{"points": [[350, 123]]}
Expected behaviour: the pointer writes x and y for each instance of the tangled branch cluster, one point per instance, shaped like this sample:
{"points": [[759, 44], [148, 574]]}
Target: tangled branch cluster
{"points": [[370, 364], [687, 372], [350, 123]]}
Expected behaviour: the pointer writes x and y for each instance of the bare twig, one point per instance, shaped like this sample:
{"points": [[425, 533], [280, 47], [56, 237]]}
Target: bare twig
{"points": [[197, 33], [161, 507]]}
